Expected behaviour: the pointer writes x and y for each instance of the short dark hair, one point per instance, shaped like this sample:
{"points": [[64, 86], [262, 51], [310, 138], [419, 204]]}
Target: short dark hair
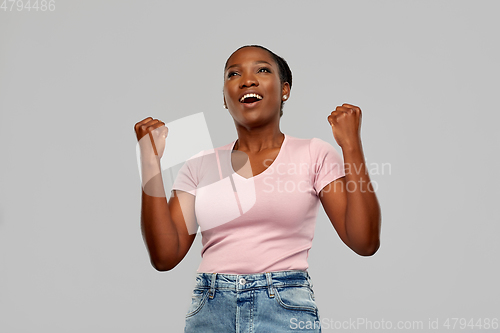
{"points": [[284, 70]]}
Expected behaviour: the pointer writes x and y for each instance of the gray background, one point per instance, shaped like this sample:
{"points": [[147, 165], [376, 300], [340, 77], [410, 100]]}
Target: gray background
{"points": [[74, 81]]}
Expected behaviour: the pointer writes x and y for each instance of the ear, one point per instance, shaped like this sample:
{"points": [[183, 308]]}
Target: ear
{"points": [[286, 90], [224, 98]]}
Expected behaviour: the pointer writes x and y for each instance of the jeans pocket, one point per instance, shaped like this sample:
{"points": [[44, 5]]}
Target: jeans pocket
{"points": [[198, 299], [296, 298]]}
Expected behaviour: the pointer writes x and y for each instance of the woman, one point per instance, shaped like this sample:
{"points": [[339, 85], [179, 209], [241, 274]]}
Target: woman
{"points": [[257, 222]]}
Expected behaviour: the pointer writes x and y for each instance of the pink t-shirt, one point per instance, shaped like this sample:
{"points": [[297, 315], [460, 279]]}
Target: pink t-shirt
{"points": [[264, 223]]}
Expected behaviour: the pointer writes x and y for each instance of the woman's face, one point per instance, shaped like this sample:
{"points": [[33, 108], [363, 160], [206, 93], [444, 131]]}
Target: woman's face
{"points": [[253, 70]]}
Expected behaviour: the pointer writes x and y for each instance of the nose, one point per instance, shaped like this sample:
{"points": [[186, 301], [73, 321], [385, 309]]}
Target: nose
{"points": [[248, 80]]}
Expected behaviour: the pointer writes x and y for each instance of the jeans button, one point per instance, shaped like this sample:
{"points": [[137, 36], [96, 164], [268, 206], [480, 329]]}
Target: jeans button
{"points": [[243, 281]]}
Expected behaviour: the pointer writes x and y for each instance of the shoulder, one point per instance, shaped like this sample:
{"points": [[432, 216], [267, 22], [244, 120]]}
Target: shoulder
{"points": [[211, 151], [310, 142], [321, 149], [311, 150], [294, 142], [316, 148], [318, 144]]}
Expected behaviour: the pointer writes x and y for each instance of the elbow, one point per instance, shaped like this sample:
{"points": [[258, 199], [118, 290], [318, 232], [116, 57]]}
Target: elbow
{"points": [[367, 245], [162, 266], [163, 262], [369, 249]]}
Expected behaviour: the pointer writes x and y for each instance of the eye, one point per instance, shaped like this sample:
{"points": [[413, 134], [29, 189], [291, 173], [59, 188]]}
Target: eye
{"points": [[230, 74], [265, 68]]}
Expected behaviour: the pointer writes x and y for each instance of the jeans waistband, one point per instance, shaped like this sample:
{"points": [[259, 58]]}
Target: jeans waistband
{"points": [[239, 282]]}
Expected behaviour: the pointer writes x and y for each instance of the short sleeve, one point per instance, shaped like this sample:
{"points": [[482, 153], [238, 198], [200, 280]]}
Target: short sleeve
{"points": [[187, 179], [327, 164]]}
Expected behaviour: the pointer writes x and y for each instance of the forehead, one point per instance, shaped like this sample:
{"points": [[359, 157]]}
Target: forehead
{"points": [[249, 55]]}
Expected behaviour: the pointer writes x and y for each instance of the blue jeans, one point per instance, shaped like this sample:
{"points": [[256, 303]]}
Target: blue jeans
{"points": [[280, 301]]}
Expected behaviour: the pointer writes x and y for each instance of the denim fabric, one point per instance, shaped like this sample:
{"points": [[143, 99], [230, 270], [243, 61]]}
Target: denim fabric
{"points": [[280, 301]]}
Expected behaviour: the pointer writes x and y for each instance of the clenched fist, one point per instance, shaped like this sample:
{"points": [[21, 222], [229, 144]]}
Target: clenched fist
{"points": [[346, 125], [151, 134]]}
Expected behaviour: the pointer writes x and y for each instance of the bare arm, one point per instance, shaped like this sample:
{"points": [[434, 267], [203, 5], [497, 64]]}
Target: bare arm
{"points": [[352, 206], [164, 228], [350, 202], [164, 224]]}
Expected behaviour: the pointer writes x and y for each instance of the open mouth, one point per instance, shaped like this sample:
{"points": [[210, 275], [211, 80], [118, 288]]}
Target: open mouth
{"points": [[250, 99]]}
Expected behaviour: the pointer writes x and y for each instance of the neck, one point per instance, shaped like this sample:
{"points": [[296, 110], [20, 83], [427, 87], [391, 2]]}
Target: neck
{"points": [[257, 141]]}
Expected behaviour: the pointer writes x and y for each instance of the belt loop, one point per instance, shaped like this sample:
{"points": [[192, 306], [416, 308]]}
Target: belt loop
{"points": [[212, 286], [309, 279], [269, 285]]}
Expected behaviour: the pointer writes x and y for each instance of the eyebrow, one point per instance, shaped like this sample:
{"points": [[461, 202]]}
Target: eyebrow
{"points": [[256, 62]]}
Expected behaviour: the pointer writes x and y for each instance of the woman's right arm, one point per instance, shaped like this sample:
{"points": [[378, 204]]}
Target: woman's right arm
{"points": [[164, 228], [168, 228]]}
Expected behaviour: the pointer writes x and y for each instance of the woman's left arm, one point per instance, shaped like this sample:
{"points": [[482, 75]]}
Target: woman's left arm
{"points": [[350, 202]]}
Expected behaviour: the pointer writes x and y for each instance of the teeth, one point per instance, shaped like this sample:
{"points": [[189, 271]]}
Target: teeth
{"points": [[250, 95]]}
